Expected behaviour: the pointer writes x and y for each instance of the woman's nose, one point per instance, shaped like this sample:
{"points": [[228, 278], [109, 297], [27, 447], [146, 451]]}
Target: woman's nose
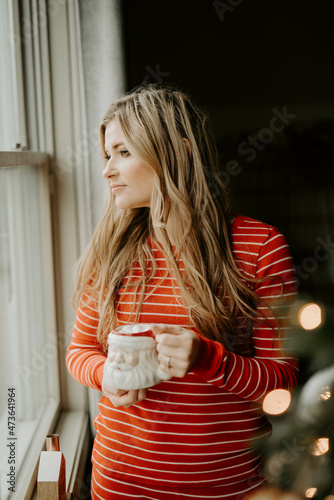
{"points": [[109, 169]]}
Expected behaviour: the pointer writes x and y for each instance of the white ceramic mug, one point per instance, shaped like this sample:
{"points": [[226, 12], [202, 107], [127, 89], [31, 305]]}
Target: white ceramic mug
{"points": [[132, 361]]}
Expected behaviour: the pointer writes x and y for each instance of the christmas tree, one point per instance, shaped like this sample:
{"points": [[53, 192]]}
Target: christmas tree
{"points": [[288, 182], [299, 458]]}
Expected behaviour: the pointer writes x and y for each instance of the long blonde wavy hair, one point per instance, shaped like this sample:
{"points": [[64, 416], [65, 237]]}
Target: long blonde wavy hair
{"points": [[188, 192]]}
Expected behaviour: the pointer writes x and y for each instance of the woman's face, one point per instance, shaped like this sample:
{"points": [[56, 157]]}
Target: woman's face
{"points": [[130, 180]]}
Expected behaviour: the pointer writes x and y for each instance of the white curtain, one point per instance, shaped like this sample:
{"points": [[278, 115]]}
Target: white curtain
{"points": [[103, 71], [104, 78]]}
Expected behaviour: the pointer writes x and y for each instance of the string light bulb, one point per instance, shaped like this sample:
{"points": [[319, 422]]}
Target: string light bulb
{"points": [[310, 316], [326, 393], [310, 492], [320, 446], [276, 401]]}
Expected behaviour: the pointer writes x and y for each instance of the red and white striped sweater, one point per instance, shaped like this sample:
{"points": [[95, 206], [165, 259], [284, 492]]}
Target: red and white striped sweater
{"points": [[199, 430]]}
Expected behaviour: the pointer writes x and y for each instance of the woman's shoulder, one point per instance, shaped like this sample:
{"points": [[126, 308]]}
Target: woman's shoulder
{"points": [[255, 241], [254, 236], [248, 226]]}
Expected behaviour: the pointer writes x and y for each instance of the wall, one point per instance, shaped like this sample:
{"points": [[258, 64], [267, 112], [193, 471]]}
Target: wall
{"points": [[237, 61], [264, 71]]}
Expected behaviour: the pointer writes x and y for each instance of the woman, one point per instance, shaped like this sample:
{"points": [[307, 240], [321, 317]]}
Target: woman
{"points": [[216, 288]]}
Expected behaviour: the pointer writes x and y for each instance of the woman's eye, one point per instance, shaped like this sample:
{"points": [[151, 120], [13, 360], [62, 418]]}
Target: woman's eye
{"points": [[107, 157], [124, 152]]}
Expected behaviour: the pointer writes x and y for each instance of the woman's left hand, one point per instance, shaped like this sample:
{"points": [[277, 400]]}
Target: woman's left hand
{"points": [[177, 348], [126, 398]]}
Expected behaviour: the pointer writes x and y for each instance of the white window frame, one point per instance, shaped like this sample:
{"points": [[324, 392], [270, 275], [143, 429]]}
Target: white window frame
{"points": [[27, 447], [48, 54], [51, 118], [72, 426]]}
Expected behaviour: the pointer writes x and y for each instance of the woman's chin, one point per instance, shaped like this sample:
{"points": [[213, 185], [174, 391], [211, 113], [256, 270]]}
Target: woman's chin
{"points": [[122, 205]]}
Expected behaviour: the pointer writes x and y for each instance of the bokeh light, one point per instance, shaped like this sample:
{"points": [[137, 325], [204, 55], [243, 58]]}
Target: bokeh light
{"points": [[326, 394], [320, 447], [310, 316], [277, 402], [310, 492]]}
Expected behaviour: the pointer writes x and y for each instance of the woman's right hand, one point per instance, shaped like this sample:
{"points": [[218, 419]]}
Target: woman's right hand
{"points": [[122, 397], [119, 397]]}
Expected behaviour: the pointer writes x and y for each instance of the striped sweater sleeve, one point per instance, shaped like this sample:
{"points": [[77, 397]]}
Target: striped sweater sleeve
{"points": [[271, 367], [85, 358]]}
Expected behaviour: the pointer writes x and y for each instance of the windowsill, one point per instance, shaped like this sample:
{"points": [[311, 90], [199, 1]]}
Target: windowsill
{"points": [[26, 447], [74, 442], [24, 483]]}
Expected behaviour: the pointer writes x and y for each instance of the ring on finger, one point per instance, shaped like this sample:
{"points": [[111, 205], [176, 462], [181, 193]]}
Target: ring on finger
{"points": [[167, 363]]}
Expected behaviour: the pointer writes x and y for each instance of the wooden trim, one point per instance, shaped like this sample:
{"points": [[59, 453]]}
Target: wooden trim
{"points": [[18, 80], [49, 273], [75, 440], [20, 158]]}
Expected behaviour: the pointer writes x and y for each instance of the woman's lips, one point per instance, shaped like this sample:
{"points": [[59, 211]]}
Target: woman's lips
{"points": [[115, 188]]}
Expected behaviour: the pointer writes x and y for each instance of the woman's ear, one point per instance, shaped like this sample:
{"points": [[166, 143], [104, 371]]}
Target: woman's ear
{"points": [[187, 144]]}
